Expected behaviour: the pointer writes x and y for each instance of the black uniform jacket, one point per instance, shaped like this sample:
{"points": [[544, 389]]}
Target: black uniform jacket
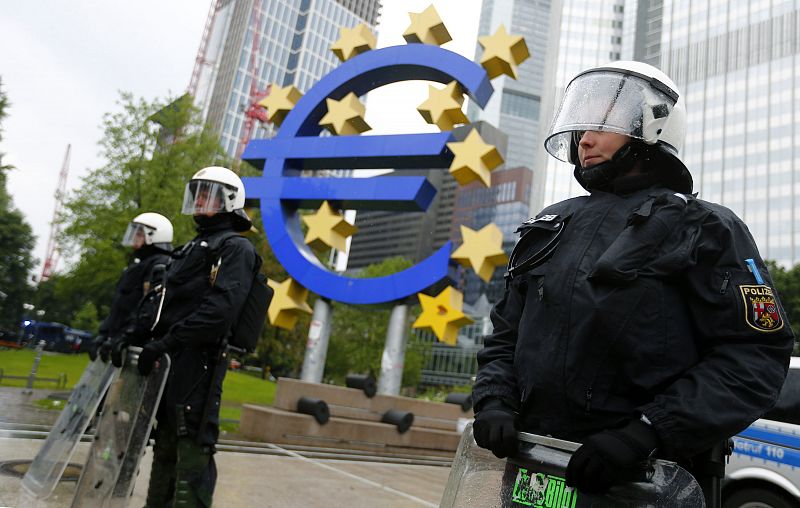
{"points": [[646, 307], [205, 291], [135, 281]]}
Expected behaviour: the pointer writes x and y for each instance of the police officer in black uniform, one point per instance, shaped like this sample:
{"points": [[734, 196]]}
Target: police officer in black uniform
{"points": [[204, 292], [639, 320], [150, 235]]}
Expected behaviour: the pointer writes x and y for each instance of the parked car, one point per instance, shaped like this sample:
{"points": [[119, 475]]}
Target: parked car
{"points": [[764, 470], [56, 336]]}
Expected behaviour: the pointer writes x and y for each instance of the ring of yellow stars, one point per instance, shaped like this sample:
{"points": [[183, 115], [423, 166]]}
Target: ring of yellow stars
{"points": [[427, 27], [327, 228], [288, 301], [502, 52], [443, 107], [474, 159], [280, 102], [345, 117], [482, 250], [353, 41], [443, 314]]}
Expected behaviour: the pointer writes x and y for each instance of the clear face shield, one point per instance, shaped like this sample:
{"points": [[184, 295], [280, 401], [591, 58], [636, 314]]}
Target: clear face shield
{"points": [[137, 235], [204, 197], [612, 101]]}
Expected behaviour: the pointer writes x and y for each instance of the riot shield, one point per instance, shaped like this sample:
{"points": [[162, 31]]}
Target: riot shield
{"points": [[535, 478], [52, 458], [121, 437]]}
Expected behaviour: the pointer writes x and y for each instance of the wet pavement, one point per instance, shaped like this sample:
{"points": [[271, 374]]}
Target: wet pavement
{"points": [[247, 480], [18, 406]]}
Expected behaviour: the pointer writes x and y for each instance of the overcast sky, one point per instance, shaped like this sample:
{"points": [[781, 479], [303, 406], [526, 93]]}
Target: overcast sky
{"points": [[63, 63]]}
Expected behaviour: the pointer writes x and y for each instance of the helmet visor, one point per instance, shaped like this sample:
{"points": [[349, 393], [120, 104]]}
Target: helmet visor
{"points": [[203, 197], [137, 235], [606, 100]]}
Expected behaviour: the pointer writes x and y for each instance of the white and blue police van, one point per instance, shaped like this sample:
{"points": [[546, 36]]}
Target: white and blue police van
{"points": [[764, 469]]}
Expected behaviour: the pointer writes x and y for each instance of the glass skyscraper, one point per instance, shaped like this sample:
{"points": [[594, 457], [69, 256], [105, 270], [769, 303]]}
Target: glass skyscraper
{"points": [[587, 33], [514, 107], [738, 68], [296, 36]]}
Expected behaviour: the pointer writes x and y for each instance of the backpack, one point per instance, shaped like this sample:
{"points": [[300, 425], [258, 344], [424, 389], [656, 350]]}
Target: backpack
{"points": [[247, 327]]}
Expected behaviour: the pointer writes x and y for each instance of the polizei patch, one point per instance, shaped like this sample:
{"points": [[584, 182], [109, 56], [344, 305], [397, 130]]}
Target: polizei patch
{"points": [[760, 308]]}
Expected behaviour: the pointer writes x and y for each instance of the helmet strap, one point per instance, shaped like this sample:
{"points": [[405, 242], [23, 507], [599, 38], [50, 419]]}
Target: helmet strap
{"points": [[601, 176]]}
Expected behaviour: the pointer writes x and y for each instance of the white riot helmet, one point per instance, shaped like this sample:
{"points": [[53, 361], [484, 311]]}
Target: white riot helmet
{"points": [[213, 190], [152, 228], [630, 98]]}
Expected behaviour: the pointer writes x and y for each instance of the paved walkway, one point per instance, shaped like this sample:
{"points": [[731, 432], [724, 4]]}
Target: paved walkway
{"points": [[268, 481]]}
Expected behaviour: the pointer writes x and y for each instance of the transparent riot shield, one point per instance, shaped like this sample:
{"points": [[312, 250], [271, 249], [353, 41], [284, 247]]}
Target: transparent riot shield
{"points": [[535, 478], [121, 436], [52, 458]]}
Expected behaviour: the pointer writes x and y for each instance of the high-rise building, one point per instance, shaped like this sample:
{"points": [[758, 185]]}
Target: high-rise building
{"points": [[583, 34], [737, 65], [516, 104], [294, 49]]}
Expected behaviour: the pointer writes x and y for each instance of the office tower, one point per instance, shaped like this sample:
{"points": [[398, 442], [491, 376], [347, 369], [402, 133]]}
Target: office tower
{"points": [[292, 48]]}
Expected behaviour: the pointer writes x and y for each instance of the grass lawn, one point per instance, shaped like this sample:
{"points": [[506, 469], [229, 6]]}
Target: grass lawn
{"points": [[238, 389], [18, 362]]}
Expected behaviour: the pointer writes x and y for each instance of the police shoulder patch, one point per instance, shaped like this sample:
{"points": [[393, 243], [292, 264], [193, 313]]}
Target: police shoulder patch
{"points": [[760, 308]]}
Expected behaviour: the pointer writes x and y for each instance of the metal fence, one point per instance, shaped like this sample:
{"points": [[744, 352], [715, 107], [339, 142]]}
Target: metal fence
{"points": [[450, 366]]}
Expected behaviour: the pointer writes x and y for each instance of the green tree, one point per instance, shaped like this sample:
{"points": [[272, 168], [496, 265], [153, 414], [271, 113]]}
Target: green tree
{"points": [[358, 335], [86, 317], [150, 150], [16, 244], [787, 284]]}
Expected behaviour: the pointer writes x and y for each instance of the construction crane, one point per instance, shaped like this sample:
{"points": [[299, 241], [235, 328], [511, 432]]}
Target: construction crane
{"points": [[53, 253], [201, 60], [252, 110]]}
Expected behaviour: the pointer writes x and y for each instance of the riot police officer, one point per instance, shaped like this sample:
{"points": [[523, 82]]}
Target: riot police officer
{"points": [[205, 289], [150, 236], [639, 320]]}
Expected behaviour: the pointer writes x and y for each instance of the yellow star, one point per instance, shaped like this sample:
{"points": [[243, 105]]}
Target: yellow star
{"points": [[443, 314], [427, 27], [353, 41], [474, 159], [346, 116], [279, 102], [287, 303], [327, 228], [443, 107], [502, 53], [482, 250]]}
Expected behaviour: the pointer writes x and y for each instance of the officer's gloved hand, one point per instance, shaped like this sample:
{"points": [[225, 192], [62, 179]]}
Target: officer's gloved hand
{"points": [[494, 428], [151, 352], [95, 347], [610, 457], [118, 349], [105, 350]]}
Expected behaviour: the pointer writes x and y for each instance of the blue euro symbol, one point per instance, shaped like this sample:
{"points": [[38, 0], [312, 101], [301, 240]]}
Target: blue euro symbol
{"points": [[297, 147]]}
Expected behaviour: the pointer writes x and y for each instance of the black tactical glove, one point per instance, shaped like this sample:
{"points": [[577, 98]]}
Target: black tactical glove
{"points": [[96, 346], [494, 428], [610, 457], [118, 350], [151, 352]]}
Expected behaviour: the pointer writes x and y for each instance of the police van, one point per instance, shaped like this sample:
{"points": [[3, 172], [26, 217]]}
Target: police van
{"points": [[764, 470]]}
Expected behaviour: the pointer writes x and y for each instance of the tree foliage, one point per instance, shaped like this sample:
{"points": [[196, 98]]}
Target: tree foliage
{"points": [[150, 149], [16, 245], [358, 335], [787, 284]]}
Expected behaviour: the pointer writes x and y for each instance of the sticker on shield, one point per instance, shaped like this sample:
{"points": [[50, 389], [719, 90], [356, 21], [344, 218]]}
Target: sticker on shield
{"points": [[539, 490], [760, 308]]}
